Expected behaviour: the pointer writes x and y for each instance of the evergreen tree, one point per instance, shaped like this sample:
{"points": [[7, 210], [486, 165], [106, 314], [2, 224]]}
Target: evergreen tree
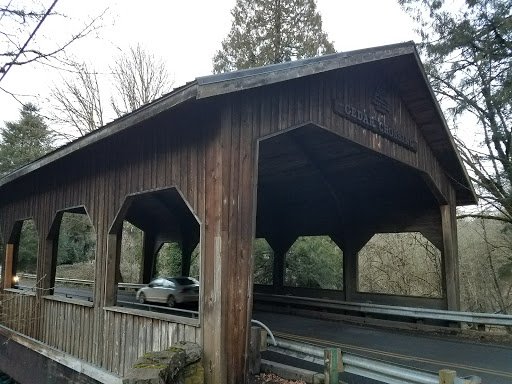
{"points": [[271, 31], [24, 140], [77, 240], [468, 53], [27, 253]]}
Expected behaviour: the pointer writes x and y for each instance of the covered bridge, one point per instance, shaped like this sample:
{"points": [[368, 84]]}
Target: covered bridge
{"points": [[345, 145]]}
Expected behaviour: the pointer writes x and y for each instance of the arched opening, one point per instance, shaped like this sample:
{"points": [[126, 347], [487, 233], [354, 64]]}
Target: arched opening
{"points": [[320, 198], [21, 256], [155, 243], [314, 262], [400, 264], [73, 248]]}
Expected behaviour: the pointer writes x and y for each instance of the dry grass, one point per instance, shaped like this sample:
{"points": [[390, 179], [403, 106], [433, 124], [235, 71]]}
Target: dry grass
{"points": [[83, 271]]}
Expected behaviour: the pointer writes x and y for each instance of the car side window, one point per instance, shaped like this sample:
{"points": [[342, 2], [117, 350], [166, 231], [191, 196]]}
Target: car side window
{"points": [[157, 282], [168, 284]]}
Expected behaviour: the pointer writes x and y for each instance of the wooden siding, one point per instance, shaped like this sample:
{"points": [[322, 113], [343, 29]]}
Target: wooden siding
{"points": [[69, 327], [20, 312], [131, 336]]}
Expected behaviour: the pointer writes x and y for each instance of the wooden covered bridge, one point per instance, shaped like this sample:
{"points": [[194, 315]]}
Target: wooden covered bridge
{"points": [[345, 145]]}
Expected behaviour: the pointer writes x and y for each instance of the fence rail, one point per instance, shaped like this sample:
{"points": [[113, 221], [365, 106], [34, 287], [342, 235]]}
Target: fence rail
{"points": [[84, 282], [415, 313], [374, 369]]}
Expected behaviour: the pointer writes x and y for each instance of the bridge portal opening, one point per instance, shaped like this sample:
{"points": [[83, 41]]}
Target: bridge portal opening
{"points": [[72, 246], [320, 199], [156, 238]]}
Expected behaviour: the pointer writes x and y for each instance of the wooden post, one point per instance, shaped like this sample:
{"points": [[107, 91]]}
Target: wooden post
{"points": [[228, 254], [9, 250], [351, 241], [263, 340], [254, 351], [111, 276], [278, 271], [345, 242], [51, 265], [148, 257], [450, 257], [333, 364], [187, 247], [280, 244], [350, 276], [447, 376]]}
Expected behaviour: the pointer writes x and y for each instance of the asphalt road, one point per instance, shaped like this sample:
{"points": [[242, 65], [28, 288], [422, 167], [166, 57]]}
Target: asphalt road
{"points": [[493, 363]]}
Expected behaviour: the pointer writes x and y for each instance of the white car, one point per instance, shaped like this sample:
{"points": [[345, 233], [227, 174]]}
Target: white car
{"points": [[170, 290]]}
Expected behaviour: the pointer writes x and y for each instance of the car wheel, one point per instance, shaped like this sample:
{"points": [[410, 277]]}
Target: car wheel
{"points": [[171, 301], [142, 298]]}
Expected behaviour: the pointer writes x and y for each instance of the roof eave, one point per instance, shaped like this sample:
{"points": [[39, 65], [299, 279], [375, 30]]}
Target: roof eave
{"points": [[471, 198], [138, 116]]}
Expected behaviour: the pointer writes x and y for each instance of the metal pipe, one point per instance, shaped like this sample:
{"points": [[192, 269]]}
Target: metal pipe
{"points": [[371, 368]]}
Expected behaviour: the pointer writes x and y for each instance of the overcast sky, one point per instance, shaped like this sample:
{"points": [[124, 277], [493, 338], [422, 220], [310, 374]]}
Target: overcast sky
{"points": [[186, 34]]}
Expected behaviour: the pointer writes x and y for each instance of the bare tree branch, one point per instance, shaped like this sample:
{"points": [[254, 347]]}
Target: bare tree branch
{"points": [[139, 78]]}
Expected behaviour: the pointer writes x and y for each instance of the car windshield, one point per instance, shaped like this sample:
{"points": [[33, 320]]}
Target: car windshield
{"points": [[184, 280]]}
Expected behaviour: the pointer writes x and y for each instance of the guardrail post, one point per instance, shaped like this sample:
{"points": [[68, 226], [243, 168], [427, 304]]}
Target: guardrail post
{"points": [[263, 340], [255, 350], [447, 376], [333, 364]]}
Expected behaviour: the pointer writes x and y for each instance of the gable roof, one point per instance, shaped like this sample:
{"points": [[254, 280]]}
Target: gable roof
{"points": [[424, 108]]}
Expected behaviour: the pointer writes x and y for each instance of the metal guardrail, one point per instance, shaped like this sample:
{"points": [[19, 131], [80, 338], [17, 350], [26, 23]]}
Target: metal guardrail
{"points": [[160, 309], [415, 313], [85, 282], [374, 369]]}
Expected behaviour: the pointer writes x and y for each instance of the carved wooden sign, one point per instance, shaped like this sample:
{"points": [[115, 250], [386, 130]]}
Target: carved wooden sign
{"points": [[376, 121]]}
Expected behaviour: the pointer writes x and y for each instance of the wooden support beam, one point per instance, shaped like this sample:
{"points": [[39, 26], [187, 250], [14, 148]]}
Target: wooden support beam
{"points": [[50, 266], [351, 241], [15, 255], [112, 272], [450, 257], [280, 244], [350, 271], [9, 252], [148, 257], [187, 248], [49, 260]]}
